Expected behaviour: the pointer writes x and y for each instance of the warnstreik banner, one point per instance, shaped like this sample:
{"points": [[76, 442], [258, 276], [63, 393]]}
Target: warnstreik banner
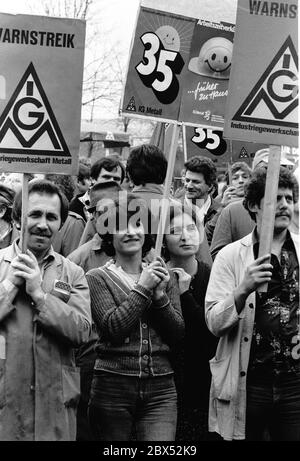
{"points": [[40, 93], [262, 104]]}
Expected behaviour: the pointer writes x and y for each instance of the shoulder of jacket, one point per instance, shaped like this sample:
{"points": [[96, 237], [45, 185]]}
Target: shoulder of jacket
{"points": [[76, 216], [96, 273], [66, 262]]}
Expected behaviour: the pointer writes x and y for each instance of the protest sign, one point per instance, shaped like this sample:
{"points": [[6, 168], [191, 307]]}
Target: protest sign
{"points": [[211, 143], [262, 103], [159, 55], [40, 93], [205, 86]]}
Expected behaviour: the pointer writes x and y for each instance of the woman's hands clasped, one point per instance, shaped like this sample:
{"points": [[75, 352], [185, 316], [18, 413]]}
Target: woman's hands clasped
{"points": [[155, 277]]}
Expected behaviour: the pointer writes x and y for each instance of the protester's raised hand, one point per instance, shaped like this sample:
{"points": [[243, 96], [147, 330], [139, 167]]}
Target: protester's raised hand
{"points": [[230, 195], [184, 279], [260, 271], [162, 272], [27, 268], [149, 277], [12, 273]]}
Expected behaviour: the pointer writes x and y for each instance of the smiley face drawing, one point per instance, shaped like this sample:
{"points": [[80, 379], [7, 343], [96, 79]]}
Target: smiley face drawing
{"points": [[169, 37], [214, 59]]}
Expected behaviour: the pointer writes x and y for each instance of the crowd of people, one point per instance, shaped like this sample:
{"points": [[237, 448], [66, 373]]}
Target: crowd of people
{"points": [[104, 339]]}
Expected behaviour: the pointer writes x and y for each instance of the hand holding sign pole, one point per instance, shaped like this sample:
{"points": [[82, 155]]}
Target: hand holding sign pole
{"points": [[268, 219], [23, 234]]}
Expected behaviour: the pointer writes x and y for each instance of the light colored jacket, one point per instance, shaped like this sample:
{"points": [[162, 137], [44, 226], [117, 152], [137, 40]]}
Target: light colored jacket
{"points": [[227, 406], [39, 383]]}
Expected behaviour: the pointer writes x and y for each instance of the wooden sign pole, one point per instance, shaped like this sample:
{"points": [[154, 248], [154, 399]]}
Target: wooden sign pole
{"points": [[23, 235], [270, 200], [184, 143], [165, 198]]}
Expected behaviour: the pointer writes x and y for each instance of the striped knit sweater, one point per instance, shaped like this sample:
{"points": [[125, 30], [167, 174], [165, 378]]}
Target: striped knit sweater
{"points": [[136, 334]]}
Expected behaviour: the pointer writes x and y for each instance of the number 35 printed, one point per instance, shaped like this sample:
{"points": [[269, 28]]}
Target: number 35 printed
{"points": [[159, 68], [210, 140]]}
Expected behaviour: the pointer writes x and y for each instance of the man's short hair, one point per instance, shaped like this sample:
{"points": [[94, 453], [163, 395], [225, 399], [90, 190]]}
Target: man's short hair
{"points": [[41, 186], [203, 165], [238, 166], [255, 187], [147, 164], [109, 163]]}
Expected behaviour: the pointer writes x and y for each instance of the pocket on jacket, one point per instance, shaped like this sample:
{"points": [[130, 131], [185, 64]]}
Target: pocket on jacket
{"points": [[2, 383], [71, 386], [221, 378]]}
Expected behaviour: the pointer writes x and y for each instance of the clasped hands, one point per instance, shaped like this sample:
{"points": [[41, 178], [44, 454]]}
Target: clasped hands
{"points": [[155, 277], [24, 268]]}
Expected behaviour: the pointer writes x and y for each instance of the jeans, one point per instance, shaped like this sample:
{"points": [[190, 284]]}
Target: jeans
{"points": [[122, 404], [273, 407]]}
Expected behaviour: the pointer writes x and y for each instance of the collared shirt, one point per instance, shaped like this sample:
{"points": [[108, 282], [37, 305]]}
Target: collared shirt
{"points": [[201, 211], [277, 316], [89, 255]]}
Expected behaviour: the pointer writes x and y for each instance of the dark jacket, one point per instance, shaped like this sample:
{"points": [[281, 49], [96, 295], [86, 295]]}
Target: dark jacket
{"points": [[193, 375], [77, 206]]}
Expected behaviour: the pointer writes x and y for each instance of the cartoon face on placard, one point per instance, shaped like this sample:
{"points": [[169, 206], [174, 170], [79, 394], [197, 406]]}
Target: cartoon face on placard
{"points": [[160, 54], [206, 80], [169, 37], [214, 58]]}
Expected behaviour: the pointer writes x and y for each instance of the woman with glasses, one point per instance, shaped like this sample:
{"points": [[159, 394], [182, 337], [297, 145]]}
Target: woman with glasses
{"points": [[181, 243]]}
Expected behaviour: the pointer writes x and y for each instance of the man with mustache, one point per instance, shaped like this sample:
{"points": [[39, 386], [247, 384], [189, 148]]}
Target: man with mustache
{"points": [[44, 314], [256, 371]]}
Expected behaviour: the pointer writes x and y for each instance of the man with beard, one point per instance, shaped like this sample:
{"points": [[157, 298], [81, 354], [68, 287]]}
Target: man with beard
{"points": [[44, 314], [256, 370]]}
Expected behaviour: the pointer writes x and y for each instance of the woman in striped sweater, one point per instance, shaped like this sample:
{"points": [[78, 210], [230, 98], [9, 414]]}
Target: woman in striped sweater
{"points": [[136, 309]]}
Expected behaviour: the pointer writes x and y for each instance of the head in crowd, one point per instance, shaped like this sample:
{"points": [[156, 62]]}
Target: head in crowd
{"points": [[146, 164], [101, 191], [85, 161], [65, 182], [7, 196], [183, 234], [261, 159], [222, 182], [41, 188], [14, 180], [126, 220], [83, 180], [200, 177], [286, 196], [240, 174], [108, 169]]}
